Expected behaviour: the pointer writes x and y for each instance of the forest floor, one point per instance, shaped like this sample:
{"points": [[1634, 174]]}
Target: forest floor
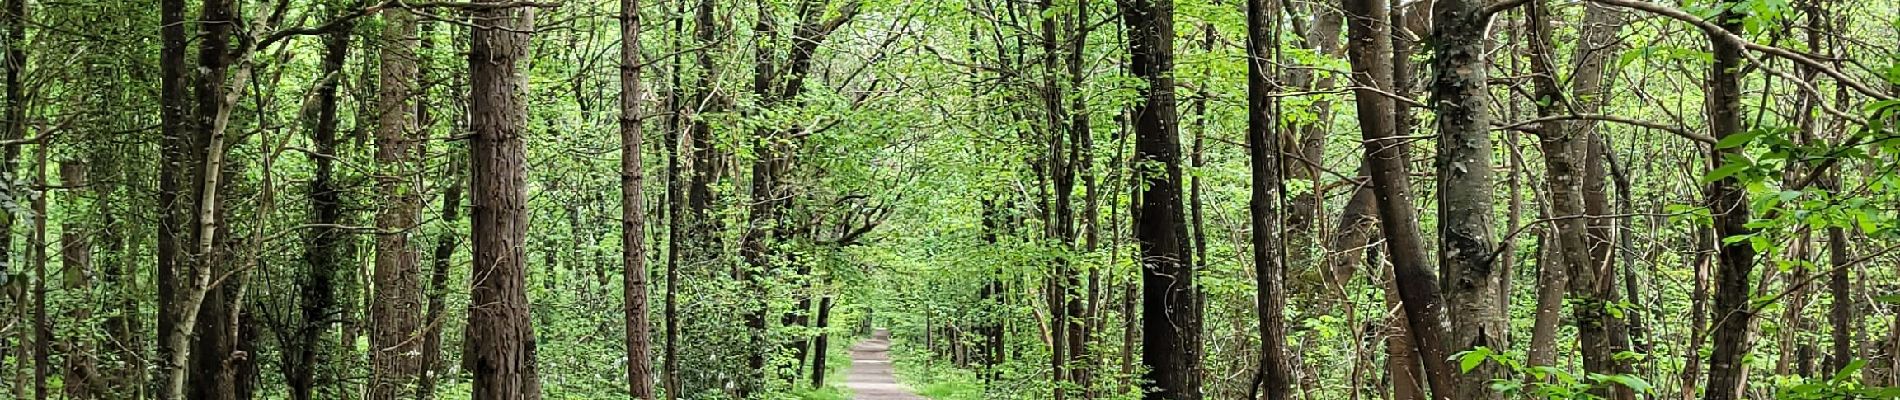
{"points": [[871, 376]]}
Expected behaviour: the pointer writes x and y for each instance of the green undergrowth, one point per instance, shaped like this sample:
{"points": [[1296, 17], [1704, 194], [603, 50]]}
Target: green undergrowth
{"points": [[837, 367], [934, 380]]}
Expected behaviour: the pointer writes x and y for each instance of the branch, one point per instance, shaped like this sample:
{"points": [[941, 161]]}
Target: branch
{"points": [[347, 20], [342, 22], [1522, 125], [1717, 33], [1501, 6]]}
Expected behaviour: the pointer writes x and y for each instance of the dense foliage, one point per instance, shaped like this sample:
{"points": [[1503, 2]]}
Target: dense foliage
{"points": [[1156, 199]]}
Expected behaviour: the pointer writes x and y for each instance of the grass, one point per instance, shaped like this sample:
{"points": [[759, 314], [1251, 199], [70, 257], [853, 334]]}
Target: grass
{"points": [[937, 381]]}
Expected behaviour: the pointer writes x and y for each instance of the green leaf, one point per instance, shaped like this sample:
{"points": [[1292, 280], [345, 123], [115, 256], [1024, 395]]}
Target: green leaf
{"points": [[1727, 170], [1629, 381], [1848, 372], [1739, 139], [1469, 360]]}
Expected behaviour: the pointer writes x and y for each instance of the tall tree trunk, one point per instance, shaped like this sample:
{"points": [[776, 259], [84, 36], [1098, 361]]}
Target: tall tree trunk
{"points": [[1728, 203], [1264, 212], [1561, 148], [443, 257], [205, 306], [676, 229], [1461, 102], [1168, 306], [1084, 308], [81, 376], [174, 197], [42, 328], [633, 207], [1842, 307], [500, 339], [1371, 58], [762, 215], [397, 308], [324, 242], [15, 128], [1061, 216]]}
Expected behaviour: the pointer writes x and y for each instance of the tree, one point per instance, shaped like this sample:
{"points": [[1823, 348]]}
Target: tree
{"points": [[324, 245], [1385, 163], [1728, 205], [500, 338], [1168, 305], [633, 206], [1263, 209], [397, 308]]}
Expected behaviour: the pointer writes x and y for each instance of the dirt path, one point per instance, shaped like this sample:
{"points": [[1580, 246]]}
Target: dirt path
{"points": [[871, 377]]}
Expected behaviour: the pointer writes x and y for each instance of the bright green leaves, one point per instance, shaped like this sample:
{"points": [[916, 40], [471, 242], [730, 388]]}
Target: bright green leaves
{"points": [[1732, 165], [1471, 359], [1549, 382], [1843, 384]]}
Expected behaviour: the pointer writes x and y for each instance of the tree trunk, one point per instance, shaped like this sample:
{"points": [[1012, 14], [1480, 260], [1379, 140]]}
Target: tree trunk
{"points": [[1168, 304], [1728, 203], [174, 198], [1367, 22], [432, 365], [323, 243], [1460, 100], [81, 376], [204, 305], [1264, 212], [42, 328], [396, 309], [500, 339], [821, 346], [633, 207]]}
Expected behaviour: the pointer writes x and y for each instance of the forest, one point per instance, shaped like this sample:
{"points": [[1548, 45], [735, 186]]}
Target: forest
{"points": [[950, 199]]}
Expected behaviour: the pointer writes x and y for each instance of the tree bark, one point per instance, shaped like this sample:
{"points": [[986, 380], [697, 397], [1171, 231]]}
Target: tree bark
{"points": [[500, 339], [633, 207], [81, 376], [1264, 211], [396, 309], [1371, 58], [1465, 178], [1728, 203], [1168, 306], [323, 244]]}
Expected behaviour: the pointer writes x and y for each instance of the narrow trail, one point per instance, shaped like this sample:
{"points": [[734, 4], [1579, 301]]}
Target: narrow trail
{"points": [[871, 376]]}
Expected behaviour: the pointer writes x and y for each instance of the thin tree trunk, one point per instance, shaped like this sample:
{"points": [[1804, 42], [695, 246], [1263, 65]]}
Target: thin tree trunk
{"points": [[1264, 211], [821, 346], [42, 328], [81, 376], [633, 207], [443, 257], [322, 255], [1728, 203]]}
